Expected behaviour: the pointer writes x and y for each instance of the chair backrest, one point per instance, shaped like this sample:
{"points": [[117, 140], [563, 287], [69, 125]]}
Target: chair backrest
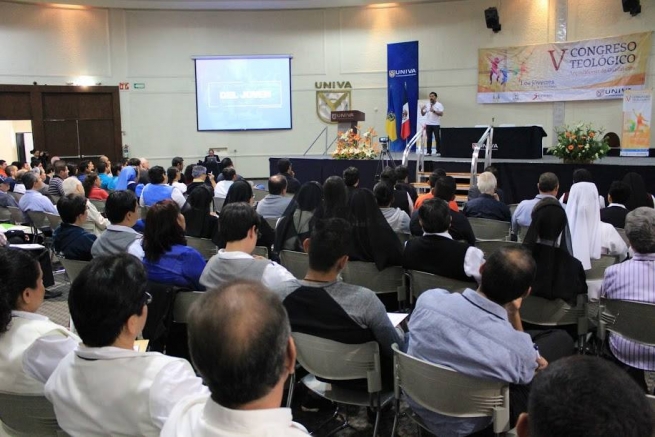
{"points": [[485, 229], [338, 361], [89, 226], [632, 320], [422, 281], [512, 207], [598, 267], [54, 220], [183, 301], [72, 267], [544, 312], [651, 402], [28, 416], [99, 204], [144, 211], [54, 199], [623, 235], [218, 203], [260, 251], [5, 214], [489, 246], [295, 262], [445, 391], [272, 221], [16, 196], [259, 194], [365, 274], [206, 247], [38, 219], [404, 238], [16, 215]]}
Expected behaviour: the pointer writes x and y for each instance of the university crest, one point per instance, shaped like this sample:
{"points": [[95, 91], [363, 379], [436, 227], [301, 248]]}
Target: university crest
{"points": [[332, 100]]}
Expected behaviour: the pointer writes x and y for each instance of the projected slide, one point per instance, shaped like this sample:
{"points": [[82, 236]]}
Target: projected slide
{"points": [[243, 93]]}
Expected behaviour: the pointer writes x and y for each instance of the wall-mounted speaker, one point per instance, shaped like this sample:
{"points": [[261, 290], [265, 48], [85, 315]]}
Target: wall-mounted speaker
{"points": [[492, 19], [632, 6]]}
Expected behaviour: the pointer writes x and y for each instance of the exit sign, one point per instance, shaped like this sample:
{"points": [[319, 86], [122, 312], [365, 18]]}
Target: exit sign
{"points": [[139, 86]]}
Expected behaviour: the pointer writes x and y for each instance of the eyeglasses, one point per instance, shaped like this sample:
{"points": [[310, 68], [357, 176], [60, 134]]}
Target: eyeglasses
{"points": [[148, 297]]}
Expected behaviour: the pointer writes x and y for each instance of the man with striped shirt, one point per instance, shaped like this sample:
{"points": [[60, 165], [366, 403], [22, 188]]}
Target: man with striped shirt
{"points": [[634, 280]]}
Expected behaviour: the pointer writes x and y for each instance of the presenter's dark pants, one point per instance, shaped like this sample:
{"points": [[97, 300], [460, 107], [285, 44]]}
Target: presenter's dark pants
{"points": [[429, 131]]}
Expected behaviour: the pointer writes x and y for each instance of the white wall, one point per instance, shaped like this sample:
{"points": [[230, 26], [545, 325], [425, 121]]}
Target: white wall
{"points": [[54, 46]]}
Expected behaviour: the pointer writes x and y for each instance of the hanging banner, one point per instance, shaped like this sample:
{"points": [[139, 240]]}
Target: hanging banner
{"points": [[402, 83], [595, 69], [637, 113]]}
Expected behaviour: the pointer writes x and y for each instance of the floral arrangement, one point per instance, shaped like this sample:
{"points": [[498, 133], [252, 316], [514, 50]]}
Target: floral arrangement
{"points": [[580, 143], [355, 144]]}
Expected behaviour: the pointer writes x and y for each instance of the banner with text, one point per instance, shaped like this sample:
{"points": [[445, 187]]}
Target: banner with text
{"points": [[595, 69], [402, 82], [637, 113]]}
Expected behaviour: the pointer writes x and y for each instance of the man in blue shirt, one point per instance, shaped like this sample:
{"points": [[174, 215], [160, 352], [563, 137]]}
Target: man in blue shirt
{"points": [[70, 239], [487, 205], [548, 187], [33, 200], [128, 174], [480, 334]]}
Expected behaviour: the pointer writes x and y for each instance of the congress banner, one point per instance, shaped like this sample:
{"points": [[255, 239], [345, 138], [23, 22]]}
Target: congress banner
{"points": [[595, 69], [637, 107], [402, 82]]}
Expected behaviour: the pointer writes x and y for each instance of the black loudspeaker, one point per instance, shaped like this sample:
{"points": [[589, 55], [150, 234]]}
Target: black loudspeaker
{"points": [[632, 6], [492, 19]]}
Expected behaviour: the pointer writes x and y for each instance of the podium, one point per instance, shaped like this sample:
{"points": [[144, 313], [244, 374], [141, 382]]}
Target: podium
{"points": [[347, 119]]}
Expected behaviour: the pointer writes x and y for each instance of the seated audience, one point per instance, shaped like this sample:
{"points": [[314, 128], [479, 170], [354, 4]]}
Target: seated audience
{"points": [[84, 168], [240, 342], [474, 191], [11, 171], [167, 258], [436, 252], [158, 189], [128, 174], [396, 217], [74, 186], [33, 200], [92, 189], [26, 337], [72, 169], [581, 175], [372, 239], [616, 211], [200, 177], [19, 186], [559, 274], [61, 173], [123, 212], [590, 237], [178, 163], [188, 174], [238, 228], [104, 174], [174, 174], [487, 205], [639, 196], [548, 186], [634, 280], [460, 229], [226, 163], [402, 183], [141, 182], [351, 179], [323, 306], [241, 191], [285, 169], [479, 333], [275, 202], [401, 198], [432, 181], [3, 165], [229, 176], [295, 224], [70, 239], [106, 387], [585, 396], [335, 200], [201, 220], [5, 198], [115, 172], [145, 165]]}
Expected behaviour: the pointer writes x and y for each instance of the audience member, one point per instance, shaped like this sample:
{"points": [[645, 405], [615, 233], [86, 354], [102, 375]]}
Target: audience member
{"points": [[73, 185], [229, 176], [201, 220], [559, 274], [167, 258], [92, 189], [72, 169], [402, 183], [474, 192], [285, 169], [582, 175], [432, 180], [3, 165], [591, 238], [634, 280], [115, 173], [33, 200], [104, 173], [585, 397], [241, 191], [335, 200], [5, 198], [26, 337], [70, 239], [295, 225], [106, 387], [351, 179], [396, 217], [276, 201], [372, 239], [188, 174], [226, 163], [548, 186], [239, 223], [240, 342], [19, 186], [487, 205], [615, 212], [122, 210], [61, 173], [639, 196], [84, 168], [200, 176], [174, 174], [145, 165], [401, 198], [436, 252], [178, 163], [129, 174], [158, 189], [11, 170], [479, 333]]}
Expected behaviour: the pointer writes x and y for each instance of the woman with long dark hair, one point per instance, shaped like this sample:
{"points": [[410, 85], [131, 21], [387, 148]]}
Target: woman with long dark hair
{"points": [[21, 295], [167, 258], [201, 221], [335, 200], [174, 175], [241, 191], [295, 225], [639, 196]]}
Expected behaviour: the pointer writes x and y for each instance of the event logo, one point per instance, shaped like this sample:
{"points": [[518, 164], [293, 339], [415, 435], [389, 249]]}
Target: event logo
{"points": [[402, 73], [332, 100], [557, 64], [612, 92]]}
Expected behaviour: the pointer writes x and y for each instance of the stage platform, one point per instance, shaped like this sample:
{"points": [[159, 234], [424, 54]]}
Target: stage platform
{"points": [[518, 177]]}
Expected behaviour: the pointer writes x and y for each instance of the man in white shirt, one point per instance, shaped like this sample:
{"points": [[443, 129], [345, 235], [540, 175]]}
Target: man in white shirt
{"points": [[238, 224], [276, 201], [106, 387], [222, 187], [240, 341], [433, 113]]}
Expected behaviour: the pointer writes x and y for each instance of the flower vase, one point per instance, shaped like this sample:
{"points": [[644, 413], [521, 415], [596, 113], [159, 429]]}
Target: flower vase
{"points": [[577, 161]]}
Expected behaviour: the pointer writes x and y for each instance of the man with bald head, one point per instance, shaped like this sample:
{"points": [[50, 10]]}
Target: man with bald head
{"points": [[240, 342], [276, 201]]}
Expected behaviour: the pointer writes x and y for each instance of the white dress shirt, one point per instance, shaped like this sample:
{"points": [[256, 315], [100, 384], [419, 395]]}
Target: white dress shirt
{"points": [[473, 259], [199, 416], [112, 391], [32, 340], [222, 188]]}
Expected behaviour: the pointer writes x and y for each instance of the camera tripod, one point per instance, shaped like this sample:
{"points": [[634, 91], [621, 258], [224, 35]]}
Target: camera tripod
{"points": [[384, 160]]}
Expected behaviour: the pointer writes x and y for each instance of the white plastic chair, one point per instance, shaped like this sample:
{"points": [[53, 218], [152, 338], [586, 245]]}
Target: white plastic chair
{"points": [[631, 320], [73, 267], [366, 274], [485, 229], [295, 262]]}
